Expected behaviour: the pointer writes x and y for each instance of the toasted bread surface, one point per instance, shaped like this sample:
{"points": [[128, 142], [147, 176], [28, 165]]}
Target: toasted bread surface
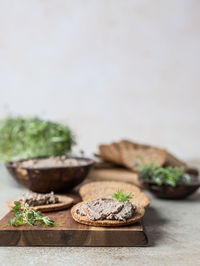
{"points": [[103, 189], [106, 223], [94, 187]]}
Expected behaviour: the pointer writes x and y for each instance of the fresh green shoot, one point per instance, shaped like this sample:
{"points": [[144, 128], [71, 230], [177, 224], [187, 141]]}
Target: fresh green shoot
{"points": [[24, 138], [169, 175], [121, 196], [25, 215]]}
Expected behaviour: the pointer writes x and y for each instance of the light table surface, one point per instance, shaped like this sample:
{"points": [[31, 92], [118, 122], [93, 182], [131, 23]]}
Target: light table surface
{"points": [[173, 229]]}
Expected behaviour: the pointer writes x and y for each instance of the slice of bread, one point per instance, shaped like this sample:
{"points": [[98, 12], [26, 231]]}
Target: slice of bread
{"points": [[64, 203], [94, 187], [135, 158], [171, 160], [84, 220], [114, 174], [115, 152], [104, 152], [174, 161], [138, 199], [95, 190], [130, 144], [109, 153], [132, 155]]}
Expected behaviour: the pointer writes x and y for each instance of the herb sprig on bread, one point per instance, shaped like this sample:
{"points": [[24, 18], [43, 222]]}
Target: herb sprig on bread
{"points": [[120, 195]]}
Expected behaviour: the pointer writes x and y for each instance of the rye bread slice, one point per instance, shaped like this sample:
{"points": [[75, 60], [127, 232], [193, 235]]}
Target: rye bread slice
{"points": [[84, 220], [132, 155], [174, 161], [64, 203], [107, 186], [171, 160], [135, 145], [138, 199], [110, 153], [126, 145], [133, 159], [114, 174], [115, 153], [142, 151], [105, 153]]}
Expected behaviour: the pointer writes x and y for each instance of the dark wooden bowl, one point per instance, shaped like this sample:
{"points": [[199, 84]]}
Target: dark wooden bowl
{"points": [[57, 179], [169, 192]]}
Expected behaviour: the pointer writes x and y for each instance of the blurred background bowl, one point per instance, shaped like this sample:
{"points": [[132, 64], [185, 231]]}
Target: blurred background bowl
{"points": [[57, 179], [169, 192]]}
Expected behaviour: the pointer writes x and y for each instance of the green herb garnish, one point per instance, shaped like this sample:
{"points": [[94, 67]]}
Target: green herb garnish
{"points": [[28, 216], [172, 176], [121, 196], [23, 138]]}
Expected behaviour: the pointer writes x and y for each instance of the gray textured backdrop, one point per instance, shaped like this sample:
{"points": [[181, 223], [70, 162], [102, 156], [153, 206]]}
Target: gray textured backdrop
{"points": [[109, 68]]}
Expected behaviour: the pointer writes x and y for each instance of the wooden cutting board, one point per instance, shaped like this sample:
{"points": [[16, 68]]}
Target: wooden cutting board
{"points": [[71, 233]]}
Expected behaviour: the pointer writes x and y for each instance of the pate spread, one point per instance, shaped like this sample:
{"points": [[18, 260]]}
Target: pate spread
{"points": [[107, 209], [56, 162], [36, 199]]}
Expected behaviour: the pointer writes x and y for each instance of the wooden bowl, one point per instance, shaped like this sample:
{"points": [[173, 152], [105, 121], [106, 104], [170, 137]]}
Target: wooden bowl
{"points": [[57, 179], [169, 192]]}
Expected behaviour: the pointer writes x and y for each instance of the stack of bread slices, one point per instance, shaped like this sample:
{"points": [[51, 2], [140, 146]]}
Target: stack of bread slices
{"points": [[105, 189], [121, 161]]}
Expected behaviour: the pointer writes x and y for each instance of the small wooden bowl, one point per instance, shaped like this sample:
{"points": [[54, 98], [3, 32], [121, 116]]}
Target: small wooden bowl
{"points": [[169, 192], [57, 179]]}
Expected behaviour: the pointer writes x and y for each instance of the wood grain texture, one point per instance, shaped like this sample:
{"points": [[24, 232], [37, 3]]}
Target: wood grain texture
{"points": [[71, 233]]}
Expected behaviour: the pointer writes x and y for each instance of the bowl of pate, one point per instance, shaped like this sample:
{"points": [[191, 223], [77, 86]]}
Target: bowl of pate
{"points": [[48, 174]]}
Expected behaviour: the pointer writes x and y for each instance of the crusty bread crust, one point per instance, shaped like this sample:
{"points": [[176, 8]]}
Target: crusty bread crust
{"points": [[84, 220]]}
